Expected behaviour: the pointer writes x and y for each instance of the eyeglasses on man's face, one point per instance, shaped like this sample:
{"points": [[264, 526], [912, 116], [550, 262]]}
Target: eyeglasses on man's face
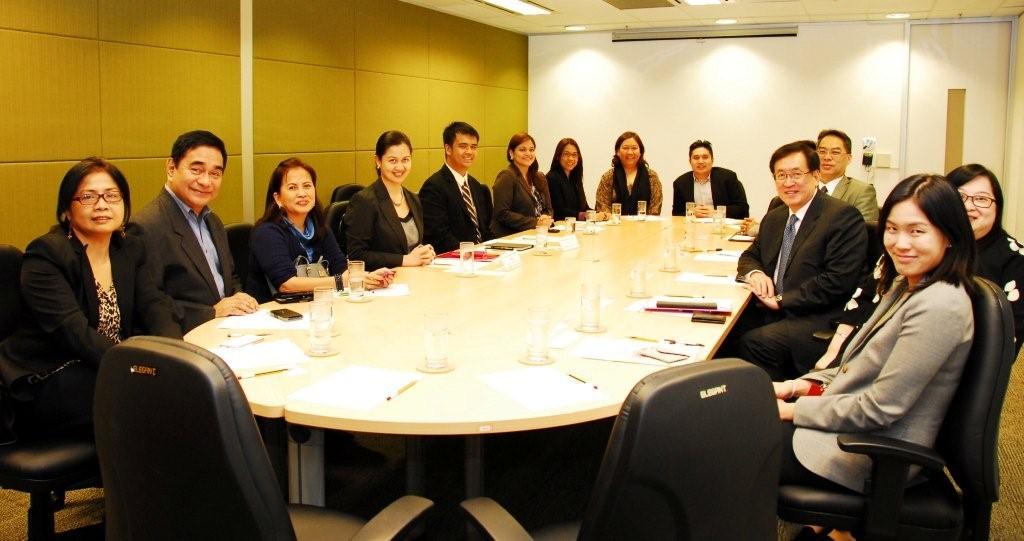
{"points": [[782, 176], [89, 199], [835, 153], [980, 201]]}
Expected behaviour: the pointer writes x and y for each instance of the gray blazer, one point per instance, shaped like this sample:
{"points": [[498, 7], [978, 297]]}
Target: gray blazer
{"points": [[896, 379], [859, 194]]}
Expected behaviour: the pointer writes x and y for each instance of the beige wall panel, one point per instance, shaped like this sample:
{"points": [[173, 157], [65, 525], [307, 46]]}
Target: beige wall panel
{"points": [[454, 101], [490, 161], [301, 108], [64, 17], [392, 37], [457, 49], [435, 159], [147, 177], [196, 25], [332, 169], [507, 59], [30, 209], [310, 32], [48, 110], [390, 102], [150, 96], [504, 114], [365, 168], [228, 204], [420, 171]]}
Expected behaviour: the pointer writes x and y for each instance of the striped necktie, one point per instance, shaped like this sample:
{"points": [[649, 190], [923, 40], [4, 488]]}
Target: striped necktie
{"points": [[468, 199], [787, 246]]}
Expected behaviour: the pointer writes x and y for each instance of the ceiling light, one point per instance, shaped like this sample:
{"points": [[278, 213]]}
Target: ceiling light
{"points": [[702, 2], [575, 28], [898, 16], [518, 6], [725, 21]]}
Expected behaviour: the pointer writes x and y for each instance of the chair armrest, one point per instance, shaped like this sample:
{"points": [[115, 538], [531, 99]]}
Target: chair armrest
{"points": [[395, 520], [492, 519], [878, 447]]}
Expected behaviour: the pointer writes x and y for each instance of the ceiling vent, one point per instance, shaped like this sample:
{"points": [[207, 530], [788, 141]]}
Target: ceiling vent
{"points": [[706, 32]]}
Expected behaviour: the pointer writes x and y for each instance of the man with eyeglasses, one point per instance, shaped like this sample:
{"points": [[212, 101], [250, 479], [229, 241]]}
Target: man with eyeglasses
{"points": [[187, 246], [802, 267], [834, 152]]}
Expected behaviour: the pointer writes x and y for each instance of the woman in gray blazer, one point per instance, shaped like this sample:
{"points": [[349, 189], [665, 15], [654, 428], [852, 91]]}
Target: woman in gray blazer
{"points": [[902, 368], [521, 197]]}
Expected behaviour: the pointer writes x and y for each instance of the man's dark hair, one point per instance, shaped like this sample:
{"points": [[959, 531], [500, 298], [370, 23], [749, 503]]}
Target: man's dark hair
{"points": [[193, 139], [456, 128], [806, 148], [847, 143]]}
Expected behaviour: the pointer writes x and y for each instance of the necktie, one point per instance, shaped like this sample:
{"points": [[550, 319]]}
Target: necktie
{"points": [[787, 246], [468, 199], [823, 189]]}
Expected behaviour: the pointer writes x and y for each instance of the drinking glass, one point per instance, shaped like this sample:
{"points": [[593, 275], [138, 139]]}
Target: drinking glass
{"points": [[538, 322], [570, 224], [356, 278], [435, 343], [719, 219], [638, 280], [321, 319], [467, 259], [669, 257], [591, 222], [641, 210], [541, 234], [590, 308], [616, 213]]}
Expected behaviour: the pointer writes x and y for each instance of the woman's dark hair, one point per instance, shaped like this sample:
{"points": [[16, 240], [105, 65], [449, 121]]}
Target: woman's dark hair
{"points": [[966, 173], [576, 175], [389, 139], [272, 212], [516, 140], [700, 143], [74, 177], [941, 204], [618, 143]]}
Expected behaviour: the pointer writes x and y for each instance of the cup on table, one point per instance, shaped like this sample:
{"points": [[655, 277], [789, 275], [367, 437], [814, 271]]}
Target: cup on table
{"points": [[356, 280], [591, 222], [538, 321], [703, 241], [641, 210], [638, 280], [467, 259], [719, 218], [570, 224], [435, 343], [321, 322], [616, 213], [541, 238], [590, 308], [691, 209], [669, 256]]}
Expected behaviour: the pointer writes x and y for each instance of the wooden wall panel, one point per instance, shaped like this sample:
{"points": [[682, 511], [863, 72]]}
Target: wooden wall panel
{"points": [[64, 17], [390, 102], [504, 114], [309, 32], [195, 25], [302, 108], [457, 49], [392, 37], [32, 211], [454, 101], [508, 61]]}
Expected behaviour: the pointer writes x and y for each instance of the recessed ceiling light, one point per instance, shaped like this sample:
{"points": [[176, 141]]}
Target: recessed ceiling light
{"points": [[702, 2], [575, 28], [898, 16], [725, 21], [519, 6]]}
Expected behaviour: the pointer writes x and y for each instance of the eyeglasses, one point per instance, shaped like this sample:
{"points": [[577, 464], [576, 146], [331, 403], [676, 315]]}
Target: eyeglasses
{"points": [[790, 175], [834, 153], [980, 201], [90, 199]]}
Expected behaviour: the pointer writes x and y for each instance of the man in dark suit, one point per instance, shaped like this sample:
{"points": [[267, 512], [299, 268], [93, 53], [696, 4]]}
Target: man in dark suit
{"points": [[708, 187], [802, 267], [187, 247], [456, 207]]}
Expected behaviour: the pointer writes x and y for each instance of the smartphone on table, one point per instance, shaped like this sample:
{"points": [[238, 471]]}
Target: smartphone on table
{"points": [[285, 314]]}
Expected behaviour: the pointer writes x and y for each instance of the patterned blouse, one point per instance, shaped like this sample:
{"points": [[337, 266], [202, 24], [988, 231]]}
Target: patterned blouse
{"points": [[110, 313]]}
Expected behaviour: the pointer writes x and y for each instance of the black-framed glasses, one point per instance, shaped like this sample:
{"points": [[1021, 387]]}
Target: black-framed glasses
{"points": [[980, 201], [90, 199]]}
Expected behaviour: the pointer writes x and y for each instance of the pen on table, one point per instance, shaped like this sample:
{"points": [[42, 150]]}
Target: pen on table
{"points": [[402, 389], [717, 275], [581, 380], [642, 339]]}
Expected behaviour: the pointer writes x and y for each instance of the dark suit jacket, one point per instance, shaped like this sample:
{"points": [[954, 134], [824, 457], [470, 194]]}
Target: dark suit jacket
{"points": [[726, 189], [374, 232], [61, 308], [568, 199], [177, 263], [825, 262], [445, 216], [514, 210]]}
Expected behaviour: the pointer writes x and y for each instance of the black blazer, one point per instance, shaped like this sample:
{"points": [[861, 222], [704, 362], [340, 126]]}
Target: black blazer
{"points": [[726, 189], [514, 210], [61, 308], [826, 260], [374, 232], [566, 197], [177, 263], [445, 216]]}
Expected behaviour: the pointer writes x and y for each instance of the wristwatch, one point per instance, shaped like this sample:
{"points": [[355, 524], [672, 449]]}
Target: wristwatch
{"points": [[778, 298]]}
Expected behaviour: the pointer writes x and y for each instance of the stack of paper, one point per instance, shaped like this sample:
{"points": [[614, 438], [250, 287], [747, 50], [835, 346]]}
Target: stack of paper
{"points": [[262, 320], [261, 357], [721, 256], [542, 387], [357, 387]]}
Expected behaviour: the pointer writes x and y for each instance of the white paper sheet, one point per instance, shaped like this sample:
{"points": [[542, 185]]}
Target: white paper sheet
{"points": [[261, 357], [626, 350], [726, 256], [357, 387], [262, 320], [697, 278], [542, 387]]}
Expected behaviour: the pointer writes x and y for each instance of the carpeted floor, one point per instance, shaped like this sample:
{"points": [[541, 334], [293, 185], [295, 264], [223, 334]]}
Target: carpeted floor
{"points": [[559, 464]]}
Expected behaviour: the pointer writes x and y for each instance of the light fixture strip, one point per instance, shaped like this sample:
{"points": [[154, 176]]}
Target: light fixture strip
{"points": [[518, 6]]}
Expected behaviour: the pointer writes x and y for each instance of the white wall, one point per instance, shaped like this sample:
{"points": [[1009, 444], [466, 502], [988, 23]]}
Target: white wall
{"points": [[747, 96], [1015, 147]]}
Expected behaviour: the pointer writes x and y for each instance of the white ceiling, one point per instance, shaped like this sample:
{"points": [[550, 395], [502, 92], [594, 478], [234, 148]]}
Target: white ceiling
{"points": [[598, 15]]}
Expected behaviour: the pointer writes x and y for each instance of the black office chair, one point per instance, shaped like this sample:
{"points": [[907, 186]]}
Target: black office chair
{"points": [[44, 468], [966, 445], [345, 192], [335, 213], [693, 454], [238, 242], [182, 458]]}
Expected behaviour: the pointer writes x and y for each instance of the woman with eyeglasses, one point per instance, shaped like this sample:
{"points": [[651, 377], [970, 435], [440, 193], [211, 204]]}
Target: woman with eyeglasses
{"points": [[630, 180], [565, 181], [82, 292], [708, 186]]}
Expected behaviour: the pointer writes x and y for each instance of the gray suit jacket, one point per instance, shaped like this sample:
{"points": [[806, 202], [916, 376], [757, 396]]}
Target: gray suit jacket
{"points": [[896, 379], [859, 194], [177, 263]]}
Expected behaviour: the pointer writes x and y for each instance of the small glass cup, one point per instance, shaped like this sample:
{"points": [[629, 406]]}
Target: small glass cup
{"points": [[638, 280], [719, 218], [691, 210], [616, 214], [570, 224], [641, 211], [435, 343], [356, 281], [703, 237], [538, 323], [541, 240], [590, 308], [669, 257], [321, 321], [467, 259], [591, 222]]}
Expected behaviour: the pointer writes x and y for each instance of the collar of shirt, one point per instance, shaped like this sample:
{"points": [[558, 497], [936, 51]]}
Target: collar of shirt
{"points": [[186, 210], [800, 212], [702, 180], [459, 179], [831, 185]]}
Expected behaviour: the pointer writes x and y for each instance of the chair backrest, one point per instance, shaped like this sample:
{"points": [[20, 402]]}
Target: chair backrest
{"points": [[874, 247], [335, 213], [238, 241], [694, 454], [970, 432], [345, 192], [10, 294], [179, 450]]}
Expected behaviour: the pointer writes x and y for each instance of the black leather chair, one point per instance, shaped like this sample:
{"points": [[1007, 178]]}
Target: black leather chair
{"points": [[966, 445], [335, 213], [693, 454], [238, 242], [44, 468], [182, 458], [345, 192]]}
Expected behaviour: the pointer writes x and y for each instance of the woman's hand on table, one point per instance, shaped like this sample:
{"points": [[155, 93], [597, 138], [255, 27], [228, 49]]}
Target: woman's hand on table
{"points": [[380, 278]]}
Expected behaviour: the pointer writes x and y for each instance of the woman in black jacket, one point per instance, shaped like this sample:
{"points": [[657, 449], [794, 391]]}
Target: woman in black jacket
{"points": [[565, 181]]}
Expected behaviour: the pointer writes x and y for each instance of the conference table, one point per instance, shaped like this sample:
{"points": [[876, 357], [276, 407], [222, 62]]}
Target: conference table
{"points": [[487, 321]]}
